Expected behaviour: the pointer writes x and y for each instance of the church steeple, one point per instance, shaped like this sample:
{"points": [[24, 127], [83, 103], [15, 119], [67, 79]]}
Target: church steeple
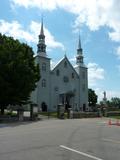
{"points": [[79, 57], [41, 44]]}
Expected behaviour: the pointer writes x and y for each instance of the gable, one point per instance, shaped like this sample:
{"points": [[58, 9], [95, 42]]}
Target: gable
{"points": [[65, 67]]}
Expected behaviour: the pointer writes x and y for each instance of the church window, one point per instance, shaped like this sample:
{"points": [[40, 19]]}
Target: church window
{"points": [[44, 67], [65, 64], [57, 72], [65, 79], [43, 83], [73, 75]]}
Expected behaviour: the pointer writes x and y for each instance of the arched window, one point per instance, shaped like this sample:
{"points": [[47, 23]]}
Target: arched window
{"points": [[73, 75], [43, 66], [57, 72], [43, 83]]}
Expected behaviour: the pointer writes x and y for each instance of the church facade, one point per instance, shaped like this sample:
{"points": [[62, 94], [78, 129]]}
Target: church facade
{"points": [[64, 84]]}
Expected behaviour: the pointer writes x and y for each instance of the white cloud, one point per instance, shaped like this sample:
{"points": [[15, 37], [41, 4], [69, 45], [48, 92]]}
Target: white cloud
{"points": [[95, 73], [42, 4], [50, 40], [16, 30], [73, 60], [118, 52], [94, 13]]}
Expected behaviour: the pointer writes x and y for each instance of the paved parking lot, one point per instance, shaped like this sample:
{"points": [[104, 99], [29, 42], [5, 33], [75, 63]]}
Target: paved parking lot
{"points": [[78, 139]]}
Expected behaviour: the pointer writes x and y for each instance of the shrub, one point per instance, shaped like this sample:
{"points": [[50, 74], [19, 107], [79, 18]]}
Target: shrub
{"points": [[85, 114], [113, 113]]}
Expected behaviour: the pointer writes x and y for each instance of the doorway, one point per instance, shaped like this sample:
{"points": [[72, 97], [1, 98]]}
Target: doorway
{"points": [[44, 107]]}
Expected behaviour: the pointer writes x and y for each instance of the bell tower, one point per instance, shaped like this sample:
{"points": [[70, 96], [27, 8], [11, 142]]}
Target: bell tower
{"points": [[41, 96], [79, 57], [83, 78], [41, 47]]}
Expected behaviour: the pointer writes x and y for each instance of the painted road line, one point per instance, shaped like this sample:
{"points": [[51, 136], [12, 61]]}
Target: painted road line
{"points": [[110, 140], [82, 153]]}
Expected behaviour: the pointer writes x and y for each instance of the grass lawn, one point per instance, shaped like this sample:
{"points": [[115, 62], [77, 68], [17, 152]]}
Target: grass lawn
{"points": [[116, 117], [51, 114]]}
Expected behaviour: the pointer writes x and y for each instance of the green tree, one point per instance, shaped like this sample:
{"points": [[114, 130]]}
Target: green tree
{"points": [[115, 102], [18, 72], [92, 99]]}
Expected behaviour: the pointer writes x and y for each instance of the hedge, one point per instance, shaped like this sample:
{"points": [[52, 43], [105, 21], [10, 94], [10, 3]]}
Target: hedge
{"points": [[113, 113], [85, 114]]}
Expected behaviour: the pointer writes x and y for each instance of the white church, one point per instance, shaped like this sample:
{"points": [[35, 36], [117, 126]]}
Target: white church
{"points": [[62, 85]]}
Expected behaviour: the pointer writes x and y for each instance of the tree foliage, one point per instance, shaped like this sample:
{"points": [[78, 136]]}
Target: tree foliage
{"points": [[92, 98], [114, 102], [18, 71]]}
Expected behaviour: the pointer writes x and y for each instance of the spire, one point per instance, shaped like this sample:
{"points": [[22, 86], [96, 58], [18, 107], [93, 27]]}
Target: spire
{"points": [[42, 30], [79, 57], [41, 50], [79, 42], [79, 50]]}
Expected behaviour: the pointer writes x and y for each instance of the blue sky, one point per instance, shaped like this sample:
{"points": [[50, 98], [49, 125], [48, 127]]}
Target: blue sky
{"points": [[97, 20]]}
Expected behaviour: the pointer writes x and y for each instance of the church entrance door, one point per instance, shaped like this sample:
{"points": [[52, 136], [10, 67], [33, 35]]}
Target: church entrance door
{"points": [[65, 99]]}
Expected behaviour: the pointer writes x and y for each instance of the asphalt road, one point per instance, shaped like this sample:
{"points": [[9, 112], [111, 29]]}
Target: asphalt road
{"points": [[78, 139]]}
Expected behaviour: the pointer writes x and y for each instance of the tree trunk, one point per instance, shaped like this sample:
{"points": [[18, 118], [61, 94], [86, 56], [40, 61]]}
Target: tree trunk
{"points": [[31, 112]]}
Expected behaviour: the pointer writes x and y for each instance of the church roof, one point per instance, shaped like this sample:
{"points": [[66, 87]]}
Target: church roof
{"points": [[53, 68]]}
